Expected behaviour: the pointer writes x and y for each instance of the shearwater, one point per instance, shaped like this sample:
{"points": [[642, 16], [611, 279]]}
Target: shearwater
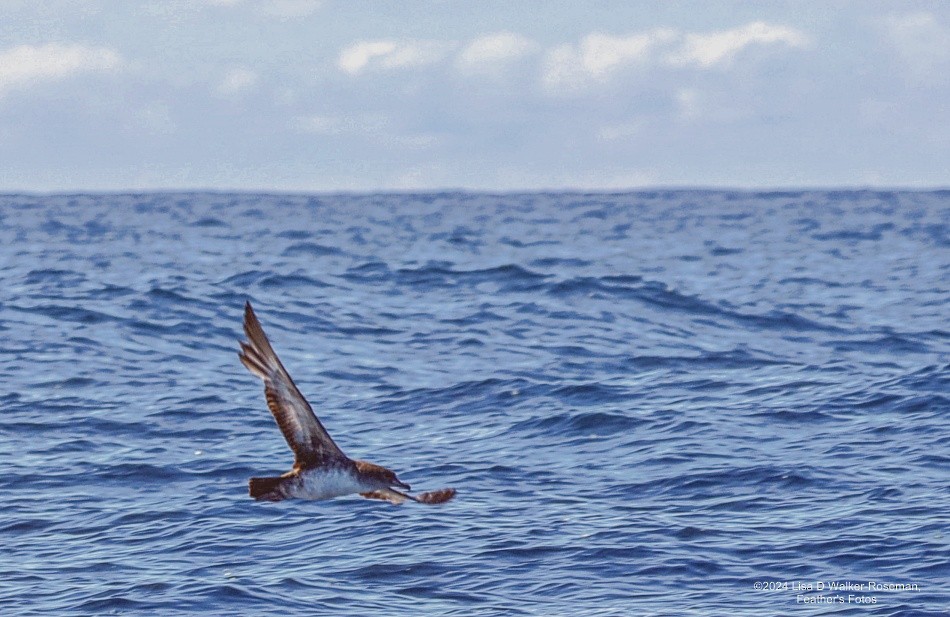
{"points": [[321, 470]]}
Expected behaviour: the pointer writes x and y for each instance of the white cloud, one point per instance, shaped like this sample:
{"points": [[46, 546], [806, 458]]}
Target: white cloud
{"points": [[354, 58], [27, 65], [595, 59], [601, 54], [598, 56], [488, 53], [387, 54], [237, 81], [706, 50], [921, 42]]}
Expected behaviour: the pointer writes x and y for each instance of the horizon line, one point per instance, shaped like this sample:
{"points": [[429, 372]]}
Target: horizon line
{"points": [[851, 188]]}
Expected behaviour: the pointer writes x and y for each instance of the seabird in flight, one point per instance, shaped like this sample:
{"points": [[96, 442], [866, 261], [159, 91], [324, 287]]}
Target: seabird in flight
{"points": [[321, 470]]}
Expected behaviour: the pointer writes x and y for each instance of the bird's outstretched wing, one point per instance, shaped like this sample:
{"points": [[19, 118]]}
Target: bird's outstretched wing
{"points": [[305, 435], [387, 494], [395, 497]]}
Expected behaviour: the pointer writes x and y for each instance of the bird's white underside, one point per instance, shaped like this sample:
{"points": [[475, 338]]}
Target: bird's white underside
{"points": [[322, 483]]}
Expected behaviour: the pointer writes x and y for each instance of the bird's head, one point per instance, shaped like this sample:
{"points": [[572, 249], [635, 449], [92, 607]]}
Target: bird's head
{"points": [[384, 478]]}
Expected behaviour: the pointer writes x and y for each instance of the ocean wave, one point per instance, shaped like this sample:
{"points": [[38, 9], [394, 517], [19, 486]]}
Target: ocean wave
{"points": [[645, 400]]}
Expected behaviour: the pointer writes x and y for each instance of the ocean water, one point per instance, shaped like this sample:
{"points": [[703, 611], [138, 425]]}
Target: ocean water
{"points": [[655, 403]]}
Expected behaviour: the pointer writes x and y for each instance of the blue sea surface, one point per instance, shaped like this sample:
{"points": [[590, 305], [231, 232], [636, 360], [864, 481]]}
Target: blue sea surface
{"points": [[651, 403]]}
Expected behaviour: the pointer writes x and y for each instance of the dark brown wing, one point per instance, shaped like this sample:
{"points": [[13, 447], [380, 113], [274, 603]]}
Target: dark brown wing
{"points": [[386, 494], [305, 435]]}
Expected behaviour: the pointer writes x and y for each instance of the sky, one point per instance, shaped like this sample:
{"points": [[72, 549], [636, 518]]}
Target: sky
{"points": [[333, 95]]}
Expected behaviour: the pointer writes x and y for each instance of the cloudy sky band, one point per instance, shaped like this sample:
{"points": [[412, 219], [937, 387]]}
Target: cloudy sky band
{"points": [[765, 100]]}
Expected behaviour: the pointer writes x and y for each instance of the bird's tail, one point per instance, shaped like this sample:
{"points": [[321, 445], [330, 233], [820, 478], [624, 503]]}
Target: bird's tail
{"points": [[267, 489]]}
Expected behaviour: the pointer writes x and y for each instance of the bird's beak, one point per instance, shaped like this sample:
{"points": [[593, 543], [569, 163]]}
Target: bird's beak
{"points": [[401, 484]]}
